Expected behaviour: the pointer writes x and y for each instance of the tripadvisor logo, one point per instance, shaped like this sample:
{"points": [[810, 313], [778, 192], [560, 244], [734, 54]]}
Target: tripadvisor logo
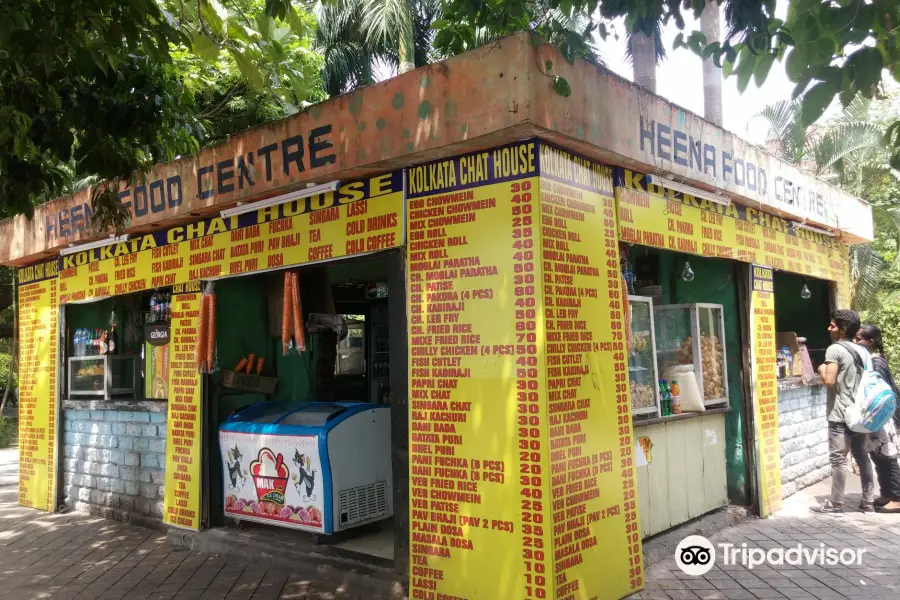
{"points": [[696, 555]]}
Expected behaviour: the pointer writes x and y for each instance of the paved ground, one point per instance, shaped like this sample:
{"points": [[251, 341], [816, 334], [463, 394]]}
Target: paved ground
{"points": [[877, 578], [75, 557]]}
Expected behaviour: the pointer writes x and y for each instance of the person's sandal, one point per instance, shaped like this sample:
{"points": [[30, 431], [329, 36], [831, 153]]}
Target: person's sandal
{"points": [[867, 507], [828, 507], [892, 507]]}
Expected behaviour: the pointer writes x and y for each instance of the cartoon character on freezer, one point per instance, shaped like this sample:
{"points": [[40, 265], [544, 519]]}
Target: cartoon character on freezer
{"points": [[304, 479], [237, 476]]}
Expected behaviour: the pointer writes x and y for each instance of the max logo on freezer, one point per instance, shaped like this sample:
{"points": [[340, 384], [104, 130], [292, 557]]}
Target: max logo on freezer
{"points": [[270, 475]]}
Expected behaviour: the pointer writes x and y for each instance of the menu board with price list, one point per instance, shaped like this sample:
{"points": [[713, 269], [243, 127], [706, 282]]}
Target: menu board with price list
{"points": [[38, 310], [517, 490], [360, 217], [765, 392], [183, 427], [651, 215], [596, 533]]}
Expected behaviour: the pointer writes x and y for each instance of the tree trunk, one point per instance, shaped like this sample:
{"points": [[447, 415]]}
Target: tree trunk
{"points": [[406, 41], [643, 60], [712, 75]]}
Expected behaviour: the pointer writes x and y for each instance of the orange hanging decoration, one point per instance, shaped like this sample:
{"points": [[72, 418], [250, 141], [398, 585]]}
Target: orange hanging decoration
{"points": [[286, 315], [203, 332], [211, 344], [299, 333]]}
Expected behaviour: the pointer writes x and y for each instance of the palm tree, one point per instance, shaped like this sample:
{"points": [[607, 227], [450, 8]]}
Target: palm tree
{"points": [[710, 27], [357, 36], [340, 39], [645, 51], [846, 151]]}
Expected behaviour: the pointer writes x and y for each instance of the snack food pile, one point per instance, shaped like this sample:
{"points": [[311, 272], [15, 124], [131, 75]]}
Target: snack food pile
{"points": [[711, 362], [641, 395]]}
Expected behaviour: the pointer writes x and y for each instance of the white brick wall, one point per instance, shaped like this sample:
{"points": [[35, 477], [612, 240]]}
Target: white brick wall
{"points": [[114, 460], [803, 432]]}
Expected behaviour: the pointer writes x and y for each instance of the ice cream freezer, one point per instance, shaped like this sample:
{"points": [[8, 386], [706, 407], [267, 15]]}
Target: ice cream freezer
{"points": [[319, 466]]}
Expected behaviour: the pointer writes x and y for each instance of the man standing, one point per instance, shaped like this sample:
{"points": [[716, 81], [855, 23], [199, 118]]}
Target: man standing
{"points": [[842, 373]]}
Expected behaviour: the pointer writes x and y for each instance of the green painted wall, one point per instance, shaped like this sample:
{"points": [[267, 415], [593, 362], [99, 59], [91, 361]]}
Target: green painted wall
{"points": [[807, 318]]}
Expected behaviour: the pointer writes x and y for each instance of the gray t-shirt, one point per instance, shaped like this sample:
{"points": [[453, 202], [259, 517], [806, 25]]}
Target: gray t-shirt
{"points": [[842, 393]]}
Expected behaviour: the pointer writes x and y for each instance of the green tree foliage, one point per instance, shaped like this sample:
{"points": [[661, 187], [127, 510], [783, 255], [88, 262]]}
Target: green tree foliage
{"points": [[830, 49], [106, 89], [887, 319], [849, 151], [356, 36]]}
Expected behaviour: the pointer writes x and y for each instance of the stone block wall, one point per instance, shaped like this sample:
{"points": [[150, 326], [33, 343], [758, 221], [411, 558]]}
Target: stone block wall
{"points": [[803, 432], [114, 463]]}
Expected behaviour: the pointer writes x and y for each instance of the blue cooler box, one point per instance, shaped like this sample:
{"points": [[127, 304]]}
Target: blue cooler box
{"points": [[320, 466]]}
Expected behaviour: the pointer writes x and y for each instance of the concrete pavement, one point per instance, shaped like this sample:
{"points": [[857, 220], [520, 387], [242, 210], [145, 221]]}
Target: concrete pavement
{"points": [[77, 557], [877, 577]]}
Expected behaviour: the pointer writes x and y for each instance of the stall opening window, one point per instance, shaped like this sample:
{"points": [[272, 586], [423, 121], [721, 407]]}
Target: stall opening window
{"points": [[117, 348], [684, 332], [801, 321]]}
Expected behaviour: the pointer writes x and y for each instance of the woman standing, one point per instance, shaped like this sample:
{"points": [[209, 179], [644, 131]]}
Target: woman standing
{"points": [[886, 452]]}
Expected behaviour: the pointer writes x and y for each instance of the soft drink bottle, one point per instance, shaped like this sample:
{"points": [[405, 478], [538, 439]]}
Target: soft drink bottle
{"points": [[667, 395]]}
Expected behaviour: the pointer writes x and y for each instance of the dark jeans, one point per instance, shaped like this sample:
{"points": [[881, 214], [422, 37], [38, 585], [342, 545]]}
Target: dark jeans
{"points": [[840, 441], [888, 471]]}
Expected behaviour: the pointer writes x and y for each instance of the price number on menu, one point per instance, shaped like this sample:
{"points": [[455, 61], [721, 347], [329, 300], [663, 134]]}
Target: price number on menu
{"points": [[629, 501], [531, 502]]}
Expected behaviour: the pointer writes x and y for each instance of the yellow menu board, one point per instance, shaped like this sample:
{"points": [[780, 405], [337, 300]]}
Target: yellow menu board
{"points": [[651, 215], [479, 484], [361, 217], [765, 392], [596, 533], [521, 483], [38, 341], [184, 435]]}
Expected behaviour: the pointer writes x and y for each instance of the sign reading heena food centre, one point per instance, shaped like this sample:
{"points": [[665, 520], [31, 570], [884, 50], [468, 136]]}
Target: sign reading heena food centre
{"points": [[275, 479]]}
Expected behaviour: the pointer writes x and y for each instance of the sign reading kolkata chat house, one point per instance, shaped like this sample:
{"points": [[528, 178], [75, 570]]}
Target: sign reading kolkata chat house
{"points": [[651, 215], [361, 217], [183, 426], [516, 489], [38, 342]]}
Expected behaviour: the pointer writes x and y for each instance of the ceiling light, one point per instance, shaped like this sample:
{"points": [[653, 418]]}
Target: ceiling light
{"points": [[816, 229], [276, 200], [91, 245], [717, 197]]}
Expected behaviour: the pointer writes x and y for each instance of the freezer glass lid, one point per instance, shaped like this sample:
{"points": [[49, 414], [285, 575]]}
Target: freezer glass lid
{"points": [[268, 413], [314, 415]]}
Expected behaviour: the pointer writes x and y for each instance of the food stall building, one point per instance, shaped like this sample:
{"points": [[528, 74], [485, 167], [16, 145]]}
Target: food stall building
{"points": [[438, 317]]}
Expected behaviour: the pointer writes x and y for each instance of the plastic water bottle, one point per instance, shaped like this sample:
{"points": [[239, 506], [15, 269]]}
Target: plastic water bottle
{"points": [[154, 301]]}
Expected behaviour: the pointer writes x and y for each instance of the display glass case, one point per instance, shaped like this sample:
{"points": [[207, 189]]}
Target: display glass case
{"points": [[105, 376], [691, 338], [642, 370]]}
